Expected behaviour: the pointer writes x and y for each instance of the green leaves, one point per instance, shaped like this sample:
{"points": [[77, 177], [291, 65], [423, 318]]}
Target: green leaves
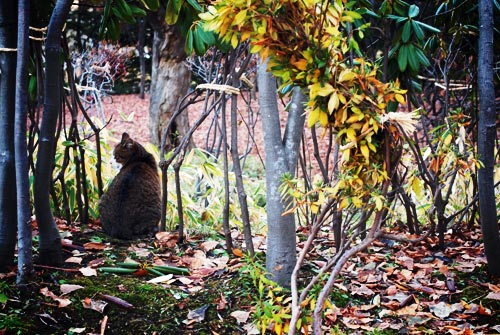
{"points": [[117, 11], [198, 39], [173, 10], [410, 41], [406, 34], [413, 11]]}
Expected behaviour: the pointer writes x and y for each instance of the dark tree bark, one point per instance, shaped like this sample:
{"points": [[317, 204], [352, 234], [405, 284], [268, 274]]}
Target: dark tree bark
{"points": [[8, 215], [170, 79], [282, 154], [487, 134], [50, 241], [24, 239], [242, 196], [142, 59]]}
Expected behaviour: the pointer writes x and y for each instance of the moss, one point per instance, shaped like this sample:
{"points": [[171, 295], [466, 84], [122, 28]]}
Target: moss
{"points": [[156, 308]]}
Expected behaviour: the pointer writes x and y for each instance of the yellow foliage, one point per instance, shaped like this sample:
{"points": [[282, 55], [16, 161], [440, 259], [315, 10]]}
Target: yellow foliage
{"points": [[306, 45]]}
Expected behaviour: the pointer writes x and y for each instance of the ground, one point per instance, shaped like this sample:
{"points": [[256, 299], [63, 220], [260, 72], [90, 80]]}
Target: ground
{"points": [[389, 289]]}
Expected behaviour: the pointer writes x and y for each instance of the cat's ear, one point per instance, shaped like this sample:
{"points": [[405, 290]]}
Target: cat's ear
{"points": [[125, 137]]}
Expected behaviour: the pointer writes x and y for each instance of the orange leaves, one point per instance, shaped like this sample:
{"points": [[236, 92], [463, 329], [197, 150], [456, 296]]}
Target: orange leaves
{"points": [[306, 45]]}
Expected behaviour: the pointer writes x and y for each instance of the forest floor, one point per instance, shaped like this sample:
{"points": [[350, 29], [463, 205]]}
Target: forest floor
{"points": [[391, 288]]}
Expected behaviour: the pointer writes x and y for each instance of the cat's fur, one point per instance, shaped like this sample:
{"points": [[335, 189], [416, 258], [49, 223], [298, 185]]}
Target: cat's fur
{"points": [[131, 207]]}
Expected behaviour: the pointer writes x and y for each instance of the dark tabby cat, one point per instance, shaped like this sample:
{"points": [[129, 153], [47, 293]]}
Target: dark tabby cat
{"points": [[131, 207]]}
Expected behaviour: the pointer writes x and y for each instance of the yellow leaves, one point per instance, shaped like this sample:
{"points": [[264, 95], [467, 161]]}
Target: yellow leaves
{"points": [[365, 151], [347, 97], [379, 202], [351, 135], [317, 89], [448, 137], [234, 41], [333, 102], [343, 203], [209, 15], [240, 17], [416, 186], [346, 75], [317, 115], [300, 64], [400, 98]]}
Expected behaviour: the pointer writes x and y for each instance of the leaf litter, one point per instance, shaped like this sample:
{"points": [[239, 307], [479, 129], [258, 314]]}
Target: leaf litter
{"points": [[396, 288]]}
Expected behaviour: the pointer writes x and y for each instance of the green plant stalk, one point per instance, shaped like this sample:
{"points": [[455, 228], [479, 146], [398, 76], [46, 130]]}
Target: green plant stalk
{"points": [[116, 270], [165, 269], [155, 272], [129, 265]]}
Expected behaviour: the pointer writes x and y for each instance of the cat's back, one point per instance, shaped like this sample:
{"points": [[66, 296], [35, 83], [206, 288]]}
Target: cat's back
{"points": [[131, 207]]}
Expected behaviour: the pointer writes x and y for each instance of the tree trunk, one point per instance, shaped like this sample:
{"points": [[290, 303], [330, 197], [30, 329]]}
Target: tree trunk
{"points": [[170, 79], [24, 245], [50, 241], [238, 174], [142, 59], [281, 157], [487, 134], [8, 215]]}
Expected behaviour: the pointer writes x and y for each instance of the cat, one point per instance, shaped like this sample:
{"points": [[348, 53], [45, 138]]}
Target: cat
{"points": [[131, 207]]}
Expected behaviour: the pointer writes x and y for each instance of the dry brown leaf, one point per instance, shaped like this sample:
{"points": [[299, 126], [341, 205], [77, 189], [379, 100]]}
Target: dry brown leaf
{"points": [[88, 272], [240, 316], [361, 290], [405, 261], [75, 260], [208, 245], [493, 288], [168, 239], [94, 246], [391, 290], [493, 296], [237, 252], [408, 310], [221, 302], [62, 302], [96, 262], [442, 310], [484, 310], [161, 279], [198, 314], [68, 288], [96, 305]]}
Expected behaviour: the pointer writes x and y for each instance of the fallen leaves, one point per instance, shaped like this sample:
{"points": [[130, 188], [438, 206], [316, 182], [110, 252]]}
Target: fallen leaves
{"points": [[94, 304], [88, 271], [68, 288], [62, 302], [411, 287], [241, 316]]}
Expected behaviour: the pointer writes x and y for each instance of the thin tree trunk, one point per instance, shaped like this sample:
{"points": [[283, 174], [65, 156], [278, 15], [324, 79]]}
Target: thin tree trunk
{"points": [[142, 59], [8, 215], [25, 257], [242, 196], [50, 240], [225, 213], [487, 134], [281, 157]]}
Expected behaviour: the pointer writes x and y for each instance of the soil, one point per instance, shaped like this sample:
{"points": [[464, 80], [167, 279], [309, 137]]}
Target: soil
{"points": [[108, 303]]}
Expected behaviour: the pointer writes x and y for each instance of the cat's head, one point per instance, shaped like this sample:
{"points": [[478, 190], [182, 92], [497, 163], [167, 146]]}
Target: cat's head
{"points": [[127, 149]]}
